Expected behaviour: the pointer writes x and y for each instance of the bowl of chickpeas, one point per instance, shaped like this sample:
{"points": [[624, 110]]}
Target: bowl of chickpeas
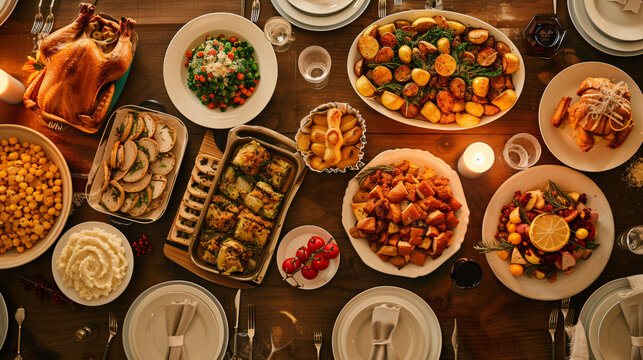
{"points": [[35, 194]]}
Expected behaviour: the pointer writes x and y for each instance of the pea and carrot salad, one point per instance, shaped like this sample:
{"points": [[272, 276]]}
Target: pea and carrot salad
{"points": [[222, 72]]}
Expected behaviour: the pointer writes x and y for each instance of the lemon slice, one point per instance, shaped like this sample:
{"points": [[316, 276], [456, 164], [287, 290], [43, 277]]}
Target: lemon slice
{"points": [[549, 232]]}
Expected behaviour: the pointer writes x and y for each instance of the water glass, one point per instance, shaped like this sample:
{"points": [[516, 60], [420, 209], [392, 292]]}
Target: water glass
{"points": [[279, 33], [521, 151], [314, 65], [631, 241]]}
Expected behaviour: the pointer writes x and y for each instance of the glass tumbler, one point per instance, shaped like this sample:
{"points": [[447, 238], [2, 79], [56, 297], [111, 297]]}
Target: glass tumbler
{"points": [[314, 65], [279, 33], [521, 151], [631, 240]]}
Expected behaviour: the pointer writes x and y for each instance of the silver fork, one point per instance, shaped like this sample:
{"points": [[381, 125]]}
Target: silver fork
{"points": [[381, 8], [553, 324], [317, 338], [251, 327], [49, 21], [38, 21], [564, 308], [113, 328], [569, 324], [433, 5], [256, 9]]}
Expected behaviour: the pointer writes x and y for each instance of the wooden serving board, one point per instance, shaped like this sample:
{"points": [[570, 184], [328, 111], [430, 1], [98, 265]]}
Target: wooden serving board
{"points": [[179, 252]]}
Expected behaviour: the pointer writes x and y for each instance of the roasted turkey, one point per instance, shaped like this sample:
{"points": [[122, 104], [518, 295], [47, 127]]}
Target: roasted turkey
{"points": [[76, 85]]}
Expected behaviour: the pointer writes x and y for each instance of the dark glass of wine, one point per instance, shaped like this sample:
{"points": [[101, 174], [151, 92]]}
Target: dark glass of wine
{"points": [[545, 34], [466, 274]]}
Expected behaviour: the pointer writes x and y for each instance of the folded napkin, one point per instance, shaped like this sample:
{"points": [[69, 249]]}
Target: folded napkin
{"points": [[578, 349], [632, 307], [630, 5], [383, 323], [178, 316]]}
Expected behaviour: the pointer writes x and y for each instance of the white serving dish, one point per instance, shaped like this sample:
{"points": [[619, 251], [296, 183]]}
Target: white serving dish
{"points": [[420, 158], [518, 77], [586, 271], [12, 258]]}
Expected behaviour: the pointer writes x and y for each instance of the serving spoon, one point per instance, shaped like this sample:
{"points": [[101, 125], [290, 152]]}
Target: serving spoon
{"points": [[20, 317]]}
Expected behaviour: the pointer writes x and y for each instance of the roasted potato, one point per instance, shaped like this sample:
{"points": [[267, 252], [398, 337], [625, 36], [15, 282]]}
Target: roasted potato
{"points": [[405, 53], [403, 73], [445, 65], [318, 149], [491, 41], [502, 48], [352, 136], [368, 47], [458, 106], [490, 109], [409, 110], [410, 31], [467, 120], [382, 75], [473, 108], [364, 86], [347, 123], [497, 82], [410, 89], [508, 82], [401, 23], [440, 21], [447, 118], [479, 99], [391, 101], [388, 28], [431, 112], [386, 54], [303, 141], [320, 120], [350, 156], [445, 101], [420, 76], [478, 36], [388, 40], [467, 56], [458, 87], [486, 56], [318, 134], [444, 46], [359, 66], [371, 31], [317, 162], [456, 26], [424, 24], [426, 47], [510, 63], [505, 100], [480, 86]]}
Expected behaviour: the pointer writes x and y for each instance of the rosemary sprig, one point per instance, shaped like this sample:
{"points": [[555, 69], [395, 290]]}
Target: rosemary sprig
{"points": [[561, 201], [369, 171], [500, 246]]}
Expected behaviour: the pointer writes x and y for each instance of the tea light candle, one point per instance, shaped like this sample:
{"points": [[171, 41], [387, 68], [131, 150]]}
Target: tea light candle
{"points": [[475, 160], [11, 90]]}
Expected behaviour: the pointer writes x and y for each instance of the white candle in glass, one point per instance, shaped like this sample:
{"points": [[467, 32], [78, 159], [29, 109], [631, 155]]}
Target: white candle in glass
{"points": [[11, 90], [475, 160]]}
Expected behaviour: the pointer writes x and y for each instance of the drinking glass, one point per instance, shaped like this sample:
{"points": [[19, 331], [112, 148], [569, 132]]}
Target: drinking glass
{"points": [[259, 347], [545, 34], [631, 241], [466, 274], [279, 33], [521, 151], [314, 65]]}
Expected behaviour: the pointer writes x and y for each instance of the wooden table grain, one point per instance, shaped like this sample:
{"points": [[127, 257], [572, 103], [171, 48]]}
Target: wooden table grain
{"points": [[493, 322]]}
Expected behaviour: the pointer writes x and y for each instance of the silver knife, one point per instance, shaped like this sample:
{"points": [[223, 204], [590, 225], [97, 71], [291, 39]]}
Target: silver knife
{"points": [[243, 8], [454, 338], [237, 304]]}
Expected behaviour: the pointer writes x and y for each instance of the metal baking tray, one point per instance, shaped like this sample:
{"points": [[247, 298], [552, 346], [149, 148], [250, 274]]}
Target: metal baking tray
{"points": [[277, 144], [96, 173]]}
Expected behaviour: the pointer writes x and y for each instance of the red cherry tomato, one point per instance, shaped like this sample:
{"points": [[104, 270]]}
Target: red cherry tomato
{"points": [[315, 243], [331, 251], [320, 262], [290, 265], [308, 272], [303, 254]]}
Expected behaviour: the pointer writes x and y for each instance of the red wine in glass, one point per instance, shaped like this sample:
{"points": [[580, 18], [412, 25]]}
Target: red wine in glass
{"points": [[545, 34], [466, 274]]}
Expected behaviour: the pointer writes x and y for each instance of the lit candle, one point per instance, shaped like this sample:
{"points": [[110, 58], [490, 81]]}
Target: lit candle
{"points": [[11, 90], [475, 160]]}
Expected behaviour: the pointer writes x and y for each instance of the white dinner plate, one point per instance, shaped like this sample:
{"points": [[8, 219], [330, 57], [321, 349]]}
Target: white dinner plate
{"points": [[580, 19], [6, 8], [70, 292], [144, 334], [417, 335], [297, 238], [320, 23], [320, 7], [4, 321], [609, 17], [614, 340], [586, 271], [12, 258], [420, 158], [175, 73], [592, 314], [561, 141], [354, 55]]}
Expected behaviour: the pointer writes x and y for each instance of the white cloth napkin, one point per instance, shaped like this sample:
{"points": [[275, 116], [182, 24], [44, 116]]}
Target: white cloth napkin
{"points": [[630, 5], [632, 307], [578, 343], [383, 322], [178, 316]]}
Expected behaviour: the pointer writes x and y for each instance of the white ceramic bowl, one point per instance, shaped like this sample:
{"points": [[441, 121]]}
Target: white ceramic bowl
{"points": [[175, 73], [420, 158], [12, 258], [353, 56]]}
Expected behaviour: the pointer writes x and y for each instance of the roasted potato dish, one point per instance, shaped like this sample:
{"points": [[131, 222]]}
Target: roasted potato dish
{"points": [[436, 69]]}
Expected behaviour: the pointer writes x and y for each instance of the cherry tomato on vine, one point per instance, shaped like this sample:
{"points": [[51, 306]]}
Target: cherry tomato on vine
{"points": [[315, 243], [308, 272], [320, 262], [291, 265], [302, 254], [331, 251]]}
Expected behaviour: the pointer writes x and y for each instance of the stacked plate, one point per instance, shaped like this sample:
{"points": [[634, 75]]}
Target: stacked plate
{"points": [[607, 27], [144, 334], [6, 8], [417, 333], [4, 321], [607, 334], [320, 15]]}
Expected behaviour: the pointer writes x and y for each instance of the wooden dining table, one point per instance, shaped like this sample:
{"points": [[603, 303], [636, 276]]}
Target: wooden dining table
{"points": [[493, 321]]}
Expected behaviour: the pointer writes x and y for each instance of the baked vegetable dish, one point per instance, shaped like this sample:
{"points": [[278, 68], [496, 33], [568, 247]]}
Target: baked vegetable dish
{"points": [[241, 215]]}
